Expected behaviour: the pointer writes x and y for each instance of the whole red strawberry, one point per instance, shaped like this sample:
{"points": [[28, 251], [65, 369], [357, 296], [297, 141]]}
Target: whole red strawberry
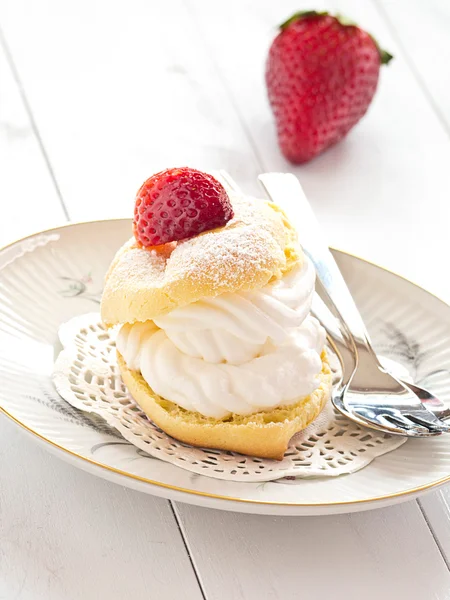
{"points": [[176, 204], [321, 76]]}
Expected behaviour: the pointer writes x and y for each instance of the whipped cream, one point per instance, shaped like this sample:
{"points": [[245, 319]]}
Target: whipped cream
{"points": [[236, 353], [233, 328]]}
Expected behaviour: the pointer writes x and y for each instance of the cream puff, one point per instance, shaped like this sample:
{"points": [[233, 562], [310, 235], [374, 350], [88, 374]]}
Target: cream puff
{"points": [[213, 296]]}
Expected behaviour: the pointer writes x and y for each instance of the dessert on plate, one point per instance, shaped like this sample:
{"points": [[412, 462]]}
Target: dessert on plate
{"points": [[213, 295]]}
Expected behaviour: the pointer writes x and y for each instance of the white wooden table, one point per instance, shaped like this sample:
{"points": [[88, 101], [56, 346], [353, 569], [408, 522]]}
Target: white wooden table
{"points": [[94, 97]]}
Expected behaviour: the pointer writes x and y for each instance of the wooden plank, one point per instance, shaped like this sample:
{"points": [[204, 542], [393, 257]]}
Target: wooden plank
{"points": [[381, 191], [422, 29], [66, 534], [28, 198], [436, 509], [381, 554], [129, 91], [410, 22]]}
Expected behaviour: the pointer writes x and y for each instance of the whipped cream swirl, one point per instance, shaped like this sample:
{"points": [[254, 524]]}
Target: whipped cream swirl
{"points": [[236, 353]]}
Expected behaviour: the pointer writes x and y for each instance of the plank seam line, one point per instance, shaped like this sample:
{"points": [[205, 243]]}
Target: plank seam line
{"points": [[433, 533], [226, 87], [15, 73], [412, 67], [186, 546]]}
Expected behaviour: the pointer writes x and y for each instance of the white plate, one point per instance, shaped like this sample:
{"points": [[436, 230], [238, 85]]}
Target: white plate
{"points": [[52, 276]]}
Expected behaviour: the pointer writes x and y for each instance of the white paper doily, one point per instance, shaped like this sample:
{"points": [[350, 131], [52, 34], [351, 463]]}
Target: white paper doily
{"points": [[86, 375]]}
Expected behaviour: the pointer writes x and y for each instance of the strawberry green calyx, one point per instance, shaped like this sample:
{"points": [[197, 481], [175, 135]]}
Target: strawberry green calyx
{"points": [[385, 57], [302, 14]]}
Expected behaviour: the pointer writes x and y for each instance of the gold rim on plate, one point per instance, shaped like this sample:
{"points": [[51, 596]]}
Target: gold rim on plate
{"points": [[403, 493]]}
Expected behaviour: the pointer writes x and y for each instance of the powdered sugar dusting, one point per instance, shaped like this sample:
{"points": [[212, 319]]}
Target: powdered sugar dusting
{"points": [[136, 266]]}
